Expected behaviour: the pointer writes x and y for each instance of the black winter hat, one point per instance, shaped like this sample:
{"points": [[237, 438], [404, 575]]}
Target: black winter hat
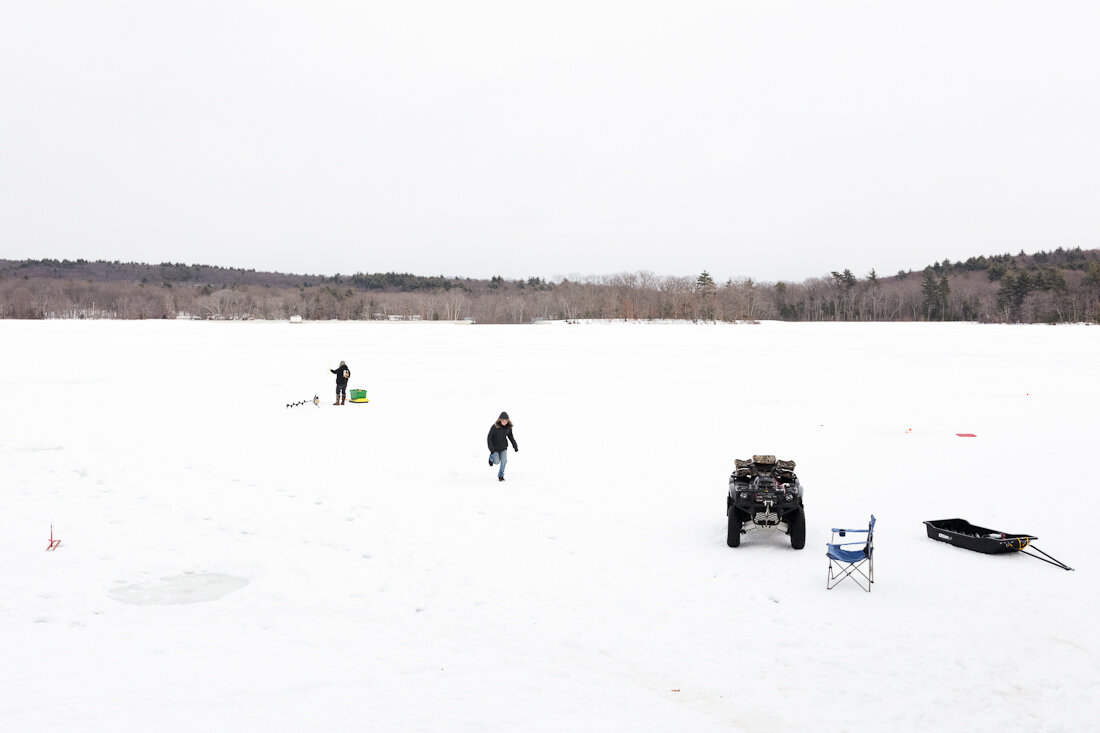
{"points": [[504, 416]]}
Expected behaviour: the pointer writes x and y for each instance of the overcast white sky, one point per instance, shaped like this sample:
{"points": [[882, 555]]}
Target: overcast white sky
{"points": [[778, 140]]}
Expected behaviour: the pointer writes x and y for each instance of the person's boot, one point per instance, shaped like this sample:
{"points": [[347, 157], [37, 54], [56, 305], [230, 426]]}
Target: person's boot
{"points": [[337, 400], [343, 399]]}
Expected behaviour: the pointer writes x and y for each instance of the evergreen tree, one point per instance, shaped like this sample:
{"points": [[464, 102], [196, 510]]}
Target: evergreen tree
{"points": [[930, 289], [706, 287], [705, 284], [1014, 289], [1051, 278], [1092, 274], [845, 279], [943, 291]]}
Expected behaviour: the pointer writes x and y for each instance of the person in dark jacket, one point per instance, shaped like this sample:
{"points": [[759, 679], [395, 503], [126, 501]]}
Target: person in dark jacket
{"points": [[499, 435], [343, 374]]}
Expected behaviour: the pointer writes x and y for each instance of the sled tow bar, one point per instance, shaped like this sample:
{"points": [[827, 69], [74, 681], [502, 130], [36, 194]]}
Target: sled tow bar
{"points": [[1047, 558]]}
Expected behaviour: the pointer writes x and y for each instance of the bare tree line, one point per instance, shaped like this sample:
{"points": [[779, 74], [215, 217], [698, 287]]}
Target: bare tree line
{"points": [[1011, 289]]}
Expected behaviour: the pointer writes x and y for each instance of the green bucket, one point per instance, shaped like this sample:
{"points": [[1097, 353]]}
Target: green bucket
{"points": [[357, 394]]}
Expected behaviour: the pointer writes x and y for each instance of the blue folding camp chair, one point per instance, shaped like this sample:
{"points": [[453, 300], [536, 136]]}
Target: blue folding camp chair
{"points": [[850, 563]]}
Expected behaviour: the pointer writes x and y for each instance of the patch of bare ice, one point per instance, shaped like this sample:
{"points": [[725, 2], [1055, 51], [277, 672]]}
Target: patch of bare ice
{"points": [[187, 588]]}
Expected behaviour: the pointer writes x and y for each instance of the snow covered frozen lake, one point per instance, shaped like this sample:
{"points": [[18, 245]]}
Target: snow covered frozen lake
{"points": [[227, 563]]}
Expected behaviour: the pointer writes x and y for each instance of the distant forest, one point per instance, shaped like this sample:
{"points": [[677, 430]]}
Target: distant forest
{"points": [[1062, 286]]}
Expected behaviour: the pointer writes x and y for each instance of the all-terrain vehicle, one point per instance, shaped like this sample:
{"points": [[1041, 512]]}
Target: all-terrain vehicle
{"points": [[765, 494]]}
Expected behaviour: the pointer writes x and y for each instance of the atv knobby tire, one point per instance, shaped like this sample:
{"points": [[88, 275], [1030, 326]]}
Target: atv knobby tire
{"points": [[733, 531], [798, 530]]}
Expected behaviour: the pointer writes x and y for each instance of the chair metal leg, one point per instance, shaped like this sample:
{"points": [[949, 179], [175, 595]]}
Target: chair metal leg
{"points": [[849, 572]]}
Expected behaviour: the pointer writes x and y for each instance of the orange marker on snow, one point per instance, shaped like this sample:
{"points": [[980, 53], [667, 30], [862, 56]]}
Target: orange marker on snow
{"points": [[53, 543]]}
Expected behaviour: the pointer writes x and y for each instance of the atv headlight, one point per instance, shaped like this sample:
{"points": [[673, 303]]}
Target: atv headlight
{"points": [[744, 495]]}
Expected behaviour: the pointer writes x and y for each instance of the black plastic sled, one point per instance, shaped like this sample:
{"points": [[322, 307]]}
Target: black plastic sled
{"points": [[962, 533]]}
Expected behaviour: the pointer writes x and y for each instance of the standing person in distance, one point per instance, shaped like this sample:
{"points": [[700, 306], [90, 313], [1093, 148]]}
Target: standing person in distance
{"points": [[343, 374], [499, 435]]}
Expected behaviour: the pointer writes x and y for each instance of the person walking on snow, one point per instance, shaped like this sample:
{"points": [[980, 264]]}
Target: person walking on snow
{"points": [[499, 435], [343, 374]]}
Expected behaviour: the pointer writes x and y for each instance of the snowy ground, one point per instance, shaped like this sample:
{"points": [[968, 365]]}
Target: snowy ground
{"points": [[227, 563]]}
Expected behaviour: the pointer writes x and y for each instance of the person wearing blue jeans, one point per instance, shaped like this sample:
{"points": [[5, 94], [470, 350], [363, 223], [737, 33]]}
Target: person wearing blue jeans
{"points": [[499, 435]]}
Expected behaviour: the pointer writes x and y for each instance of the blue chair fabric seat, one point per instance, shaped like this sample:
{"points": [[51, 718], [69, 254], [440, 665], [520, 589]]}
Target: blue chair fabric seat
{"points": [[846, 555]]}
